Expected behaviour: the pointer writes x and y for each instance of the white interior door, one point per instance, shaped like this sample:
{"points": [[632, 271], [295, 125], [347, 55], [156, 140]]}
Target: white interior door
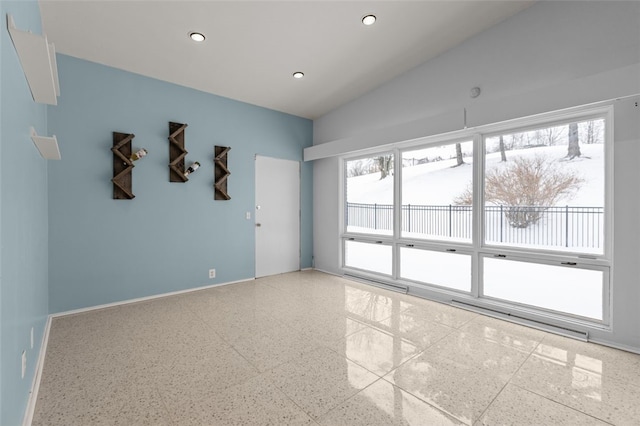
{"points": [[277, 216]]}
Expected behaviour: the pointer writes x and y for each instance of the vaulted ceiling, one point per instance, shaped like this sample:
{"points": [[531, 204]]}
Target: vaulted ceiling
{"points": [[252, 48]]}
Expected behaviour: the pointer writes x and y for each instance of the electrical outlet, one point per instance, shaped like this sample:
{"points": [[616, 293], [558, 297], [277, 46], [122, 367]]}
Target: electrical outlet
{"points": [[212, 273], [31, 337], [24, 363], [248, 216]]}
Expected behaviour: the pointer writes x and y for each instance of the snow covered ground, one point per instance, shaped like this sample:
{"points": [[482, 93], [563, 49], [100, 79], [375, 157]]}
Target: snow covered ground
{"points": [[438, 183]]}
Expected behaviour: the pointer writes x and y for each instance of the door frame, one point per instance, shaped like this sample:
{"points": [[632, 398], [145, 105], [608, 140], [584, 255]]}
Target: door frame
{"points": [[299, 215]]}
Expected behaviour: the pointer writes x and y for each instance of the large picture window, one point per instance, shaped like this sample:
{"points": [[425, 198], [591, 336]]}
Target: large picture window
{"points": [[544, 188], [516, 214]]}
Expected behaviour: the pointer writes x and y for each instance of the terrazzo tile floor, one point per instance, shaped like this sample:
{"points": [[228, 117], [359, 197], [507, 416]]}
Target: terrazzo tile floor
{"points": [[308, 348]]}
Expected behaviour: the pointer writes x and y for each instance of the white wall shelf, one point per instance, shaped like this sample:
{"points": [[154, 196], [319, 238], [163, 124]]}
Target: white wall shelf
{"points": [[48, 146], [38, 60]]}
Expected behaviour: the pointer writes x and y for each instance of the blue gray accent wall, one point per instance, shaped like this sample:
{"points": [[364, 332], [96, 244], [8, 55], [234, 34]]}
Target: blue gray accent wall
{"points": [[23, 221], [167, 238]]}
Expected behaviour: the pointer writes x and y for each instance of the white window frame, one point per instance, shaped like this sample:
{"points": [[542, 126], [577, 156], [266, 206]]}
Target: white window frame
{"points": [[607, 115], [478, 249]]}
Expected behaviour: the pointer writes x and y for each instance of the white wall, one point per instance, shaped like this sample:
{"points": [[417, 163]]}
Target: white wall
{"points": [[551, 56]]}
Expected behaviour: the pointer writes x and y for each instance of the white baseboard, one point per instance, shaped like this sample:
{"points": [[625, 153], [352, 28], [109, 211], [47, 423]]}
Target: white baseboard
{"points": [[35, 385], [328, 272], [626, 348], [142, 299]]}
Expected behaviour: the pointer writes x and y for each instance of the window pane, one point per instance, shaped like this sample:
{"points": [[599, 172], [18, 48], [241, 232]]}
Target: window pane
{"points": [[545, 188], [437, 192], [369, 195], [563, 289], [368, 256], [450, 270]]}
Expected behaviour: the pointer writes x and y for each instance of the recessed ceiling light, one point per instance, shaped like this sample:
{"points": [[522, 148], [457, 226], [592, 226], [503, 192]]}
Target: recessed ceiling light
{"points": [[298, 74], [196, 36], [369, 20]]}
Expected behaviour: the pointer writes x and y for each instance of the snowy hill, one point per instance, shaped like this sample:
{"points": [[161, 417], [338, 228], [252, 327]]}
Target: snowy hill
{"points": [[438, 183]]}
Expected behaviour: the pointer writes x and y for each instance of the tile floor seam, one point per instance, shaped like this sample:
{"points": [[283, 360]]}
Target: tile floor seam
{"points": [[400, 386], [309, 414], [610, 379], [277, 365], [356, 363], [173, 421], [426, 402], [364, 321], [419, 352], [507, 383], [473, 421], [266, 377], [160, 396], [359, 321], [476, 337], [466, 322], [564, 405], [436, 356], [324, 416]]}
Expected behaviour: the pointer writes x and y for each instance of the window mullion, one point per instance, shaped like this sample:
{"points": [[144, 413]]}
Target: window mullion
{"points": [[478, 213], [397, 210]]}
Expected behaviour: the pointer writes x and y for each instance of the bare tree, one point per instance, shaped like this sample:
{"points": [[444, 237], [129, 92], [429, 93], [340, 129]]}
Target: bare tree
{"points": [[356, 168], [459, 159], [527, 187], [517, 141], [385, 164], [591, 132], [573, 149], [503, 154], [551, 135]]}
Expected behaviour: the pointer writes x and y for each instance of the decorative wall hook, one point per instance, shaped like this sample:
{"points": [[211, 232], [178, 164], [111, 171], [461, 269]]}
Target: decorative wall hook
{"points": [[47, 146], [177, 152], [221, 173], [122, 166]]}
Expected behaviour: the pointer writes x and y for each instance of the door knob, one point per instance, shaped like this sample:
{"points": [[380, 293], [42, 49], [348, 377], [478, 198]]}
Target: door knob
{"points": [[258, 225]]}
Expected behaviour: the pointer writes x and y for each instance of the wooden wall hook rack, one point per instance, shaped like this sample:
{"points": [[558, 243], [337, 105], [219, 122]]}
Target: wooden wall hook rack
{"points": [[122, 166], [177, 152], [221, 173]]}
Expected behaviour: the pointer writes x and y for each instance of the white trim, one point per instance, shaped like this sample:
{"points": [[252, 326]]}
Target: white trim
{"points": [[142, 299], [328, 272], [35, 386], [342, 195], [306, 269], [609, 188], [614, 345]]}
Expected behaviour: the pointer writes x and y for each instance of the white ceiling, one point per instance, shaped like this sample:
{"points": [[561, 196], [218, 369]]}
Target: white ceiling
{"points": [[253, 47]]}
